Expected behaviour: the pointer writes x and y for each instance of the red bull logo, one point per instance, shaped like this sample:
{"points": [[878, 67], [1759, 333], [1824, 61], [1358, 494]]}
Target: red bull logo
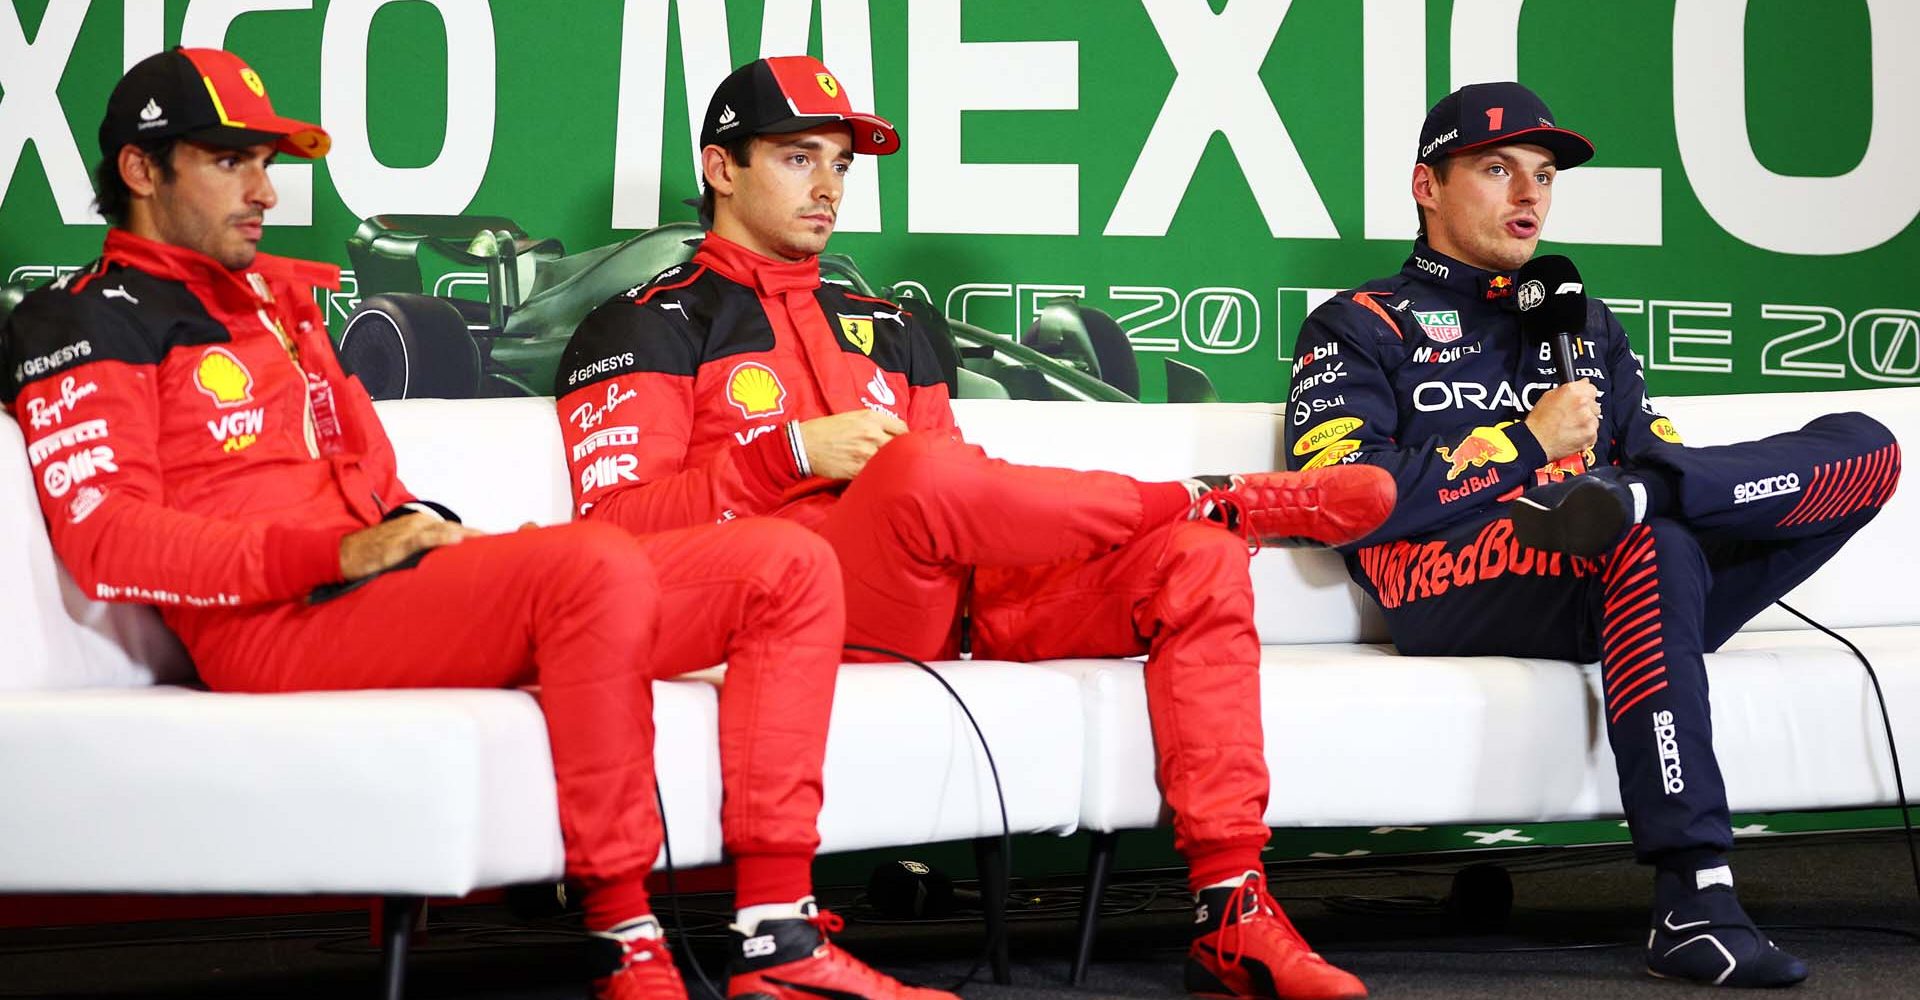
{"points": [[1561, 468], [1482, 445], [1403, 572]]}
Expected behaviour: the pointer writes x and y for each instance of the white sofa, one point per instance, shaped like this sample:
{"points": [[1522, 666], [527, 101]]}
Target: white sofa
{"points": [[118, 778]]}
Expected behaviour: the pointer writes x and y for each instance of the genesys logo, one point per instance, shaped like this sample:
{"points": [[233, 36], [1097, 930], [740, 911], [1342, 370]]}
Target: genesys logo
{"points": [[1772, 486], [52, 361], [604, 366]]}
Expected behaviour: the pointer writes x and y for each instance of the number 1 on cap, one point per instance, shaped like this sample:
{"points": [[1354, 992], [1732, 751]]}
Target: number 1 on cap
{"points": [[1494, 115]]}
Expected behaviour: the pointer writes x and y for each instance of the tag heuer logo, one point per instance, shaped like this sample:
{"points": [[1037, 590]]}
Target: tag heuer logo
{"points": [[1442, 326], [1532, 293], [150, 112]]}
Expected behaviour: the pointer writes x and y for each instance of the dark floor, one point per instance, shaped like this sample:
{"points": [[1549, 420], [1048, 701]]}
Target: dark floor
{"points": [[1846, 904]]}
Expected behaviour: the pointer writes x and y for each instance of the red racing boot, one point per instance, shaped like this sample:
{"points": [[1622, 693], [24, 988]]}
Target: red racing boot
{"points": [[1331, 506], [794, 960], [646, 969], [1247, 948]]}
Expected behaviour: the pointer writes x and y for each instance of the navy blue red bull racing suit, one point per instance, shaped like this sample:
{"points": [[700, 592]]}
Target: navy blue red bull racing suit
{"points": [[1427, 374], [678, 404]]}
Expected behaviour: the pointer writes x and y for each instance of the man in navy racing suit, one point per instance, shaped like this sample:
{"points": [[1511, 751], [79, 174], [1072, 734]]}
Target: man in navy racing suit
{"points": [[1622, 546]]}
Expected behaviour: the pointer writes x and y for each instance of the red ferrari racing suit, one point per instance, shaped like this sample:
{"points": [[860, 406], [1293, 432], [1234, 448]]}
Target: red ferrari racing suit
{"points": [[679, 404], [196, 446]]}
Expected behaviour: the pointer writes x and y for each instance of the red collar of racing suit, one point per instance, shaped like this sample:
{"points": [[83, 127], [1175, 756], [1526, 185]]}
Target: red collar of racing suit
{"points": [[786, 293], [204, 274], [762, 274]]}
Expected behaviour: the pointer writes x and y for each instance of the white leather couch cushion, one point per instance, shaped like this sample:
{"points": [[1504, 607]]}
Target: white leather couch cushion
{"points": [[1360, 736]]}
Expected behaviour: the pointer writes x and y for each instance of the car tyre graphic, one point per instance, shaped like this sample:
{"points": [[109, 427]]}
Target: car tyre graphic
{"points": [[410, 347]]}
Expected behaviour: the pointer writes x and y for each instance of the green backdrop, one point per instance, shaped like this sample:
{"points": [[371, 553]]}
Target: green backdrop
{"points": [[1204, 170]]}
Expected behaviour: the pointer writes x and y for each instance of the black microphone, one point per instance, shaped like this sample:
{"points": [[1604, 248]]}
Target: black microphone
{"points": [[1553, 306]]}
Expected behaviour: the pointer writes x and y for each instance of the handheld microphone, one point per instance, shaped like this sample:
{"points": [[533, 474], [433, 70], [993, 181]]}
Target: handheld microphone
{"points": [[1553, 306]]}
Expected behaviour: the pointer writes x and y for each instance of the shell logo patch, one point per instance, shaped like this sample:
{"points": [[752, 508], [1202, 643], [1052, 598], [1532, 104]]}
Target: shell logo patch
{"points": [[223, 378], [859, 331], [756, 391], [828, 85], [253, 81], [1665, 431], [1334, 453]]}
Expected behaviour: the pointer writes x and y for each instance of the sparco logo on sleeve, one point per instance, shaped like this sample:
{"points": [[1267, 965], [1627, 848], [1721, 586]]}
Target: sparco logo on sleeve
{"points": [[1669, 748], [1760, 489]]}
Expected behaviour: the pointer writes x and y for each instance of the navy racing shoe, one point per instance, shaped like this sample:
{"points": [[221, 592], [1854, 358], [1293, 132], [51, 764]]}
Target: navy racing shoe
{"points": [[1705, 937], [1583, 515]]}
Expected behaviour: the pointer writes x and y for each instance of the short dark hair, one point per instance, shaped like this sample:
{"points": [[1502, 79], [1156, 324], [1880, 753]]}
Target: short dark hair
{"points": [[111, 195], [1441, 169], [741, 150]]}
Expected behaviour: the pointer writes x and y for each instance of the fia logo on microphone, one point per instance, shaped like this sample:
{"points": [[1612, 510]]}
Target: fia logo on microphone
{"points": [[1532, 293]]}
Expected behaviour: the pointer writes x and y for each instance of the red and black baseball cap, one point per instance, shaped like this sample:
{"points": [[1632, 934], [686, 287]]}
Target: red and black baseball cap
{"points": [[208, 96], [1496, 114], [781, 94]]}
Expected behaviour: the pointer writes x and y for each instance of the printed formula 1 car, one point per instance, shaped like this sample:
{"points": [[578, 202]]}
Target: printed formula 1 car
{"points": [[502, 306]]}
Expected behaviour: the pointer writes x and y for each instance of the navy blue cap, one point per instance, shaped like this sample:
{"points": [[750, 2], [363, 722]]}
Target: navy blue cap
{"points": [[1496, 114]]}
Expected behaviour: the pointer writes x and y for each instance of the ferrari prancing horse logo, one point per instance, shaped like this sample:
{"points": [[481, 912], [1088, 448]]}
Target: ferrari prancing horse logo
{"points": [[859, 331], [828, 85]]}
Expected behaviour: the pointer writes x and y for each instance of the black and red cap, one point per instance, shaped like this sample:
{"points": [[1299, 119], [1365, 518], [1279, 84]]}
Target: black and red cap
{"points": [[781, 94], [1497, 114], [206, 95]]}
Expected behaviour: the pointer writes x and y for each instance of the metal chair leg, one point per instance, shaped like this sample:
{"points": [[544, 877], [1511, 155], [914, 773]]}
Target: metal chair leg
{"points": [[1099, 866], [399, 915], [992, 862]]}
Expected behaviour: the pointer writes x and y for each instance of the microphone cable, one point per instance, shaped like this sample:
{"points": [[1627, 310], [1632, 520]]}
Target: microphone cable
{"points": [[994, 935], [1886, 720]]}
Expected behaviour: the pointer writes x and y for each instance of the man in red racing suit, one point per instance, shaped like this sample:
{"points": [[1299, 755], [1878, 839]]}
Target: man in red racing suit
{"points": [[196, 446], [739, 384]]}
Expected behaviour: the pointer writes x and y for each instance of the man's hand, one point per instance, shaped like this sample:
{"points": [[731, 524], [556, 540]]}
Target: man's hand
{"points": [[1566, 420], [370, 550], [839, 446]]}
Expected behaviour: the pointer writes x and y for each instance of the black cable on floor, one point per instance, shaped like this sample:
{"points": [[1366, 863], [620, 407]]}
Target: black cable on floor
{"points": [[994, 935], [673, 890], [1893, 751]]}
